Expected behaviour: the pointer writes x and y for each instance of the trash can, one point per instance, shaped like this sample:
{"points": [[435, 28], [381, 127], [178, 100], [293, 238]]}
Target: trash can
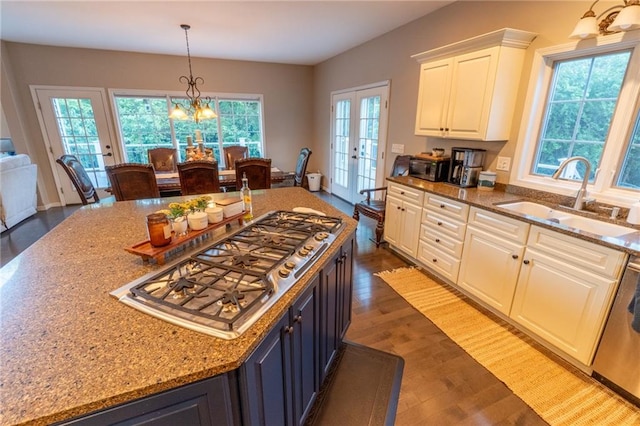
{"points": [[314, 181]]}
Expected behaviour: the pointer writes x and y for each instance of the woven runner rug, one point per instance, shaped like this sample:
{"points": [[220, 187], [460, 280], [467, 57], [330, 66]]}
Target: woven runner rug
{"points": [[560, 396]]}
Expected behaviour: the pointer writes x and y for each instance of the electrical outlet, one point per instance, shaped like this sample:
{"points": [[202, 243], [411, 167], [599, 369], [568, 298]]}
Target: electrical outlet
{"points": [[397, 148], [504, 163]]}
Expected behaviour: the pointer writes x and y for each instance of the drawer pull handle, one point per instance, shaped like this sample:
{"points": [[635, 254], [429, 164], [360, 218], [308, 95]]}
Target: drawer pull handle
{"points": [[437, 240], [442, 206], [526, 262]]}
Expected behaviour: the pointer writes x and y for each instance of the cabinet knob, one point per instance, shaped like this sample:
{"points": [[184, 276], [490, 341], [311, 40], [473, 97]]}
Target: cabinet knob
{"points": [[297, 318], [434, 260], [398, 207], [515, 256], [288, 329], [446, 129], [402, 209], [439, 223], [401, 192], [442, 129], [526, 262], [437, 240], [442, 206]]}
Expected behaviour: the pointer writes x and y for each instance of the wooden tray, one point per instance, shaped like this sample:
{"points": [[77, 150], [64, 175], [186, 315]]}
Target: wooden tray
{"points": [[147, 251]]}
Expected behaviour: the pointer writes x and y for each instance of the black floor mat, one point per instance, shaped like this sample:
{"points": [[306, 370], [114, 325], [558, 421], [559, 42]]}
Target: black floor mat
{"points": [[362, 389]]}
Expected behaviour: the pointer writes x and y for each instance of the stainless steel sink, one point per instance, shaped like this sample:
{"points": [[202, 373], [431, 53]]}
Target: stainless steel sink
{"points": [[580, 223]]}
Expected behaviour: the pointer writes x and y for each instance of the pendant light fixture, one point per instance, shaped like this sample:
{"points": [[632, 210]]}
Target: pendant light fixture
{"points": [[198, 108], [623, 17]]}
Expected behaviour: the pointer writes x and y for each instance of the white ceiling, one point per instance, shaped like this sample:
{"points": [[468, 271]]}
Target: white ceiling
{"points": [[292, 32]]}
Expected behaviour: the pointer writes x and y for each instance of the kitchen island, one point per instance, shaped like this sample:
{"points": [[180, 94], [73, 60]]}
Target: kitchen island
{"points": [[68, 348]]}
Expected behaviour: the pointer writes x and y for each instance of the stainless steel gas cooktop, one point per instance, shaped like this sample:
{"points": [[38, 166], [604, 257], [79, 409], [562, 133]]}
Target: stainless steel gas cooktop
{"points": [[224, 288]]}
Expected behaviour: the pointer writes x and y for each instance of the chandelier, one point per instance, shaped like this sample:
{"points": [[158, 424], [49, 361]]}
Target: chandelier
{"points": [[198, 108]]}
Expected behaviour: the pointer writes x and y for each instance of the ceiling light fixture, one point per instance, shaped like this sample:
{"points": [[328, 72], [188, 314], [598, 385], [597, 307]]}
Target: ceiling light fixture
{"points": [[198, 108], [618, 18]]}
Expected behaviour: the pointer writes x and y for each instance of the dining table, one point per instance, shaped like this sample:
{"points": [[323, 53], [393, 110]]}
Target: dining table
{"points": [[169, 182]]}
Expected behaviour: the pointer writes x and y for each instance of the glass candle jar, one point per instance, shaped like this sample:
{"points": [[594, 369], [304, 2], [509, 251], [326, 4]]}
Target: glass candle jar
{"points": [[159, 229]]}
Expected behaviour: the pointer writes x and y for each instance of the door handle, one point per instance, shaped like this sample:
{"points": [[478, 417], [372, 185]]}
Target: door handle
{"points": [[108, 154], [354, 157]]}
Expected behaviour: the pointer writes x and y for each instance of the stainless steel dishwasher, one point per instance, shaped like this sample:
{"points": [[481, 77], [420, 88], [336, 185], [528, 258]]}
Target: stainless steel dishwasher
{"points": [[617, 360]]}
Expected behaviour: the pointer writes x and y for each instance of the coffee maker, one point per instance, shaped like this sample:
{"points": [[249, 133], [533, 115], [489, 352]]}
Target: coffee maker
{"points": [[466, 165]]}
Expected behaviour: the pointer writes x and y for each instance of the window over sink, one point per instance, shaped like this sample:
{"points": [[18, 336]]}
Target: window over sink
{"points": [[584, 100]]}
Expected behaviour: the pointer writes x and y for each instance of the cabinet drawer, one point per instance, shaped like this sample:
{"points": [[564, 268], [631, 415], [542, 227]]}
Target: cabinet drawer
{"points": [[414, 196], [437, 260], [447, 207], [443, 224], [446, 243], [499, 225], [592, 257]]}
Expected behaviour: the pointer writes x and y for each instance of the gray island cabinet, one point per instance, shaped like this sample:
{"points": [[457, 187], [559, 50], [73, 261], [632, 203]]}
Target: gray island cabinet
{"points": [[72, 354]]}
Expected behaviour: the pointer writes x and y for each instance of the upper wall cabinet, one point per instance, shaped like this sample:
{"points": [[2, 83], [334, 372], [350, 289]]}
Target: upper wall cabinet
{"points": [[468, 89]]}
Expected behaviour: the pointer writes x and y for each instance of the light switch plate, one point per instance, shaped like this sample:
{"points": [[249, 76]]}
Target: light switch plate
{"points": [[398, 148], [504, 163]]}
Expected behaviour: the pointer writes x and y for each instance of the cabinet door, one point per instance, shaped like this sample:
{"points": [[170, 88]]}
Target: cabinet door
{"points": [[489, 268], [306, 350], [203, 403], [563, 304], [410, 218], [329, 334], [472, 85], [392, 220], [433, 97], [267, 397], [346, 287]]}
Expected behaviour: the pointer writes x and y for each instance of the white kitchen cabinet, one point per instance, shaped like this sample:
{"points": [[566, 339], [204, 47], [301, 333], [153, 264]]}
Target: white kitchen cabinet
{"points": [[402, 217], [493, 249], [467, 90], [442, 231], [565, 290]]}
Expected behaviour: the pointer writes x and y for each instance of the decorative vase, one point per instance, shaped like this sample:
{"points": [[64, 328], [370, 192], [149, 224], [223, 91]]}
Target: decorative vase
{"points": [[179, 225], [197, 220]]}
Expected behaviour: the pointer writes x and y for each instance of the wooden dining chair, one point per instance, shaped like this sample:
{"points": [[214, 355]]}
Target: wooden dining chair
{"points": [[233, 153], [79, 177], [132, 181], [199, 177], [163, 159], [258, 171], [376, 209], [300, 178]]}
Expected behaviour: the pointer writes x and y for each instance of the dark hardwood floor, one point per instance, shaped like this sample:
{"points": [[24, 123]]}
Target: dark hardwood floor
{"points": [[441, 385]]}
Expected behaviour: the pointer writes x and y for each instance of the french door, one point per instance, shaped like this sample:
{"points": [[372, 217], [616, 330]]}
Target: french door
{"points": [[74, 121], [358, 135]]}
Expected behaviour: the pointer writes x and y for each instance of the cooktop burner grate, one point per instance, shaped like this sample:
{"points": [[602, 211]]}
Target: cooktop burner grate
{"points": [[224, 287]]}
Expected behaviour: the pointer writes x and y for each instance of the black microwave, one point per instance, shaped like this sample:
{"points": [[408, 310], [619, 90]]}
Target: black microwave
{"points": [[434, 169]]}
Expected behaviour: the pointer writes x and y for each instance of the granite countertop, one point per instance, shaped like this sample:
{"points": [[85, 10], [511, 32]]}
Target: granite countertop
{"points": [[69, 348], [489, 200]]}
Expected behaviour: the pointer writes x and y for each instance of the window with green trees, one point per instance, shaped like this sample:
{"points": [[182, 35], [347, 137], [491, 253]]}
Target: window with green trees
{"points": [[580, 106], [144, 123], [583, 100]]}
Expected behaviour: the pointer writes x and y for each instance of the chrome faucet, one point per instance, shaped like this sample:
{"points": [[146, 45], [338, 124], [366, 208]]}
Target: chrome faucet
{"points": [[581, 196]]}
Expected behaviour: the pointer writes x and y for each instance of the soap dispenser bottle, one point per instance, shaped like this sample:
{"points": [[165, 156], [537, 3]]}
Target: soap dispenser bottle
{"points": [[634, 214]]}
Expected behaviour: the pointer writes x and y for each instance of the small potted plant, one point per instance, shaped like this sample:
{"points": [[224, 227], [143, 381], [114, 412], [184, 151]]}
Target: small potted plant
{"points": [[177, 214], [197, 217]]}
